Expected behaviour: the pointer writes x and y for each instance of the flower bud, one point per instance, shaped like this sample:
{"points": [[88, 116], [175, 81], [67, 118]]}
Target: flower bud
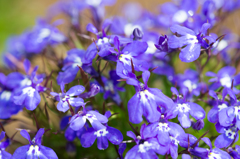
{"points": [[137, 34], [198, 125], [162, 43]]}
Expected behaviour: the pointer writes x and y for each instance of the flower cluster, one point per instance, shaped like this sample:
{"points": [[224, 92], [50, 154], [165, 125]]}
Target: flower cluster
{"points": [[103, 75]]}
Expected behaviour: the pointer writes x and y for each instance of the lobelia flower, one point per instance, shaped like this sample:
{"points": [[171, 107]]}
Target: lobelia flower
{"points": [[190, 80], [102, 135], [96, 120], [130, 52], [145, 147], [111, 87], [94, 89], [219, 105], [3, 145], [7, 107], [224, 78], [193, 41], [228, 135], [181, 12], [75, 58], [28, 95], [146, 100], [34, 149], [41, 36], [204, 153], [183, 108], [68, 98], [169, 135]]}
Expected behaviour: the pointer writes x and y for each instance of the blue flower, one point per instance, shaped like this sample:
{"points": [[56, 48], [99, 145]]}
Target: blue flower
{"points": [[96, 120], [28, 95], [75, 58], [183, 108], [145, 147], [34, 149], [193, 41], [146, 101], [68, 98]]}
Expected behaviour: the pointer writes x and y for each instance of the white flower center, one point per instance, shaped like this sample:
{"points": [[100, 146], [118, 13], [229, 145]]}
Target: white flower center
{"points": [[102, 132], [126, 59], [183, 108], [222, 106], [163, 127], [102, 41], [26, 82], [174, 140], [77, 62], [33, 151], [226, 81], [145, 96], [213, 155], [229, 133], [29, 91], [90, 117], [142, 148], [6, 95], [44, 33], [180, 16], [190, 85]]}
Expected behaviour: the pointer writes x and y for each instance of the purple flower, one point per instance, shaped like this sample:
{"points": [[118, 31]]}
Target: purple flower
{"points": [[94, 89], [146, 101], [145, 147], [41, 36], [29, 95], [224, 78], [184, 108], [96, 120], [193, 41], [3, 145], [130, 52], [34, 149], [219, 105], [75, 58], [190, 81], [68, 98], [102, 135], [227, 136]]}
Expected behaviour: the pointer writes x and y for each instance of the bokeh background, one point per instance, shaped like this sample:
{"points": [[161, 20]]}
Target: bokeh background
{"points": [[18, 15]]}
